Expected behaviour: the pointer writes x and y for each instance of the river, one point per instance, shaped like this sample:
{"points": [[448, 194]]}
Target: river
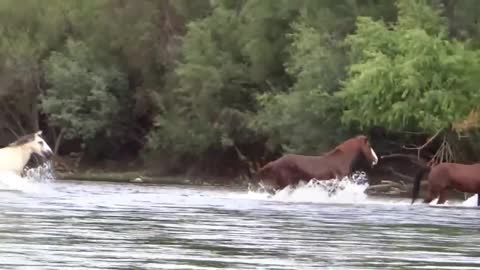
{"points": [[94, 225]]}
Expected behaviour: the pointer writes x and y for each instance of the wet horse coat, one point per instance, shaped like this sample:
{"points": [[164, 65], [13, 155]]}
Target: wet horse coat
{"points": [[445, 176], [15, 156], [290, 169]]}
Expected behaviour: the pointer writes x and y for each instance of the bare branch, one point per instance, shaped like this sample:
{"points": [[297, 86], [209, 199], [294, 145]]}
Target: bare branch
{"points": [[419, 149], [425, 144]]}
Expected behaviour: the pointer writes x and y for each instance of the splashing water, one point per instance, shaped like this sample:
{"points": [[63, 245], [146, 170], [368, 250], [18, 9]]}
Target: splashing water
{"points": [[472, 201], [43, 173], [469, 202], [346, 190], [28, 183]]}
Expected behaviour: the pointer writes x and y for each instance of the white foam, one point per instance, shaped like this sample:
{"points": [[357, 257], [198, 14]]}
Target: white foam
{"points": [[43, 173], [472, 201], [469, 202], [31, 182], [346, 190], [329, 191]]}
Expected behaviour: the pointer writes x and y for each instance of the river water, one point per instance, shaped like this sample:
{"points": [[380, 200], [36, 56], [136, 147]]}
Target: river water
{"points": [[93, 225]]}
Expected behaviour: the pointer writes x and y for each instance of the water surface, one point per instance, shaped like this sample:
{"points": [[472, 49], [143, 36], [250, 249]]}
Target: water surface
{"points": [[89, 225]]}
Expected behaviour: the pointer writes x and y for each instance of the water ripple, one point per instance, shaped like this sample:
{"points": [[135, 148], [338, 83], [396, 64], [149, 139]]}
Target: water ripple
{"points": [[79, 225]]}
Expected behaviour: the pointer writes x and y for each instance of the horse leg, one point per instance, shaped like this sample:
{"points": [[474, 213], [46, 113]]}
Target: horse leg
{"points": [[285, 179], [430, 195], [443, 196]]}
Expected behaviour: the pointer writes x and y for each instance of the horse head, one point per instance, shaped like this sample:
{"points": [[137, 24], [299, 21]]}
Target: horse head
{"points": [[366, 149], [35, 143], [39, 146]]}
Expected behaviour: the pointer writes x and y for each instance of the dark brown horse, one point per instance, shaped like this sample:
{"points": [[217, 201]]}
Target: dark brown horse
{"points": [[445, 176], [340, 162]]}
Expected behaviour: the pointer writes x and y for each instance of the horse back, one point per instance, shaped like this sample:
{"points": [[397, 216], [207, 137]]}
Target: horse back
{"points": [[309, 167], [470, 171], [458, 169], [458, 176]]}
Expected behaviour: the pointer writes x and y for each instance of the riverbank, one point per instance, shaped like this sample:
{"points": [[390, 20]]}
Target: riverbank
{"points": [[143, 176], [386, 188], [391, 188]]}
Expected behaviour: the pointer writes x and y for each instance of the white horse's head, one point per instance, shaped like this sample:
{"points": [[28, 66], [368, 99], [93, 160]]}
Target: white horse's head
{"points": [[35, 144]]}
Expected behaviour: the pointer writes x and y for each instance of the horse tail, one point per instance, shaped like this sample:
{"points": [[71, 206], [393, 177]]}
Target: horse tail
{"points": [[416, 182], [249, 170]]}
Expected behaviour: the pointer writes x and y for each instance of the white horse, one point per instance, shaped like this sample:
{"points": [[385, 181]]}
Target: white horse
{"points": [[15, 156]]}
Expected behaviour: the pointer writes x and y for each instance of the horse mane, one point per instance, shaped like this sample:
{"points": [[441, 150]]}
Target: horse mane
{"points": [[331, 152], [359, 160], [23, 140], [342, 146]]}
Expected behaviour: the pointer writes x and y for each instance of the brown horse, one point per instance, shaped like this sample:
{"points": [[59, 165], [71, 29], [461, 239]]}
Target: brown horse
{"points": [[445, 176], [290, 169]]}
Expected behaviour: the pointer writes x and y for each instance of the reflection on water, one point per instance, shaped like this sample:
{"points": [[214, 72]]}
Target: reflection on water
{"points": [[81, 225]]}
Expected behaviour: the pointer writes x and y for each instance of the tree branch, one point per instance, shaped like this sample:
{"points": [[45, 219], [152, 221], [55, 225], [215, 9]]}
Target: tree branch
{"points": [[419, 148], [58, 141]]}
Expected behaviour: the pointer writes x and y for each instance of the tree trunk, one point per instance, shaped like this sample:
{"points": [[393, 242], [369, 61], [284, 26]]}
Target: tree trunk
{"points": [[449, 11], [12, 131], [14, 118], [58, 141], [34, 117], [38, 90]]}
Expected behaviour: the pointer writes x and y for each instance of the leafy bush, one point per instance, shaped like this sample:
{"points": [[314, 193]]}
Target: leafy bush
{"points": [[409, 76], [84, 95]]}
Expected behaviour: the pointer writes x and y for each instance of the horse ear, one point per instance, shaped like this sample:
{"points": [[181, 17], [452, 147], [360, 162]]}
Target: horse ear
{"points": [[39, 133]]}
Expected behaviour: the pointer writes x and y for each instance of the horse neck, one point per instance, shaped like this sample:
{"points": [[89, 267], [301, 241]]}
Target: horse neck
{"points": [[22, 153], [359, 161], [344, 158]]}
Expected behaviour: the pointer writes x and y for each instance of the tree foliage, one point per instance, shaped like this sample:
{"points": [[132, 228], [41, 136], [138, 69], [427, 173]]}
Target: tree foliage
{"points": [[409, 76], [84, 96], [29, 31], [227, 58], [201, 78], [307, 118]]}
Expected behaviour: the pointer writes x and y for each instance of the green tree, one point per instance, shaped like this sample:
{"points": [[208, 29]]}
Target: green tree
{"points": [[227, 58], [409, 76], [307, 117], [28, 30], [84, 97], [192, 78]]}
